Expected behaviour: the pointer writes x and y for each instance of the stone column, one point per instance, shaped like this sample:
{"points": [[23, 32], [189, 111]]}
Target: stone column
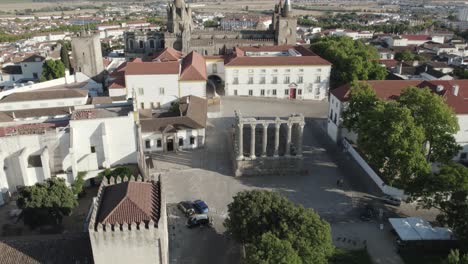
{"points": [[299, 140], [252, 141], [277, 134], [288, 140], [240, 141], [265, 138]]}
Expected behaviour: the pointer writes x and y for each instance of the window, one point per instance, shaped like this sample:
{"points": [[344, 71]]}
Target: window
{"points": [[273, 91], [35, 75], [331, 114], [25, 65], [334, 119], [141, 91], [161, 90], [130, 44], [93, 149], [287, 70], [158, 143], [300, 79], [463, 155], [317, 91], [250, 80], [148, 144], [301, 70], [236, 80], [192, 140], [262, 70], [181, 141], [34, 161], [250, 92], [236, 71], [286, 79], [152, 43], [152, 105], [142, 105], [262, 80], [142, 44], [235, 92], [299, 91], [251, 70], [262, 92], [317, 79], [274, 80], [275, 70], [286, 92], [215, 68], [319, 70]]}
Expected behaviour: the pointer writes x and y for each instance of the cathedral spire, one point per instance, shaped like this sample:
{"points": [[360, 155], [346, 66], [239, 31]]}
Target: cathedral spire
{"points": [[287, 8]]}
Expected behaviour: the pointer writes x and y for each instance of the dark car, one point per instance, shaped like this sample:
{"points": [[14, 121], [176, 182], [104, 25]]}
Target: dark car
{"points": [[200, 206], [186, 207], [391, 200], [198, 220]]}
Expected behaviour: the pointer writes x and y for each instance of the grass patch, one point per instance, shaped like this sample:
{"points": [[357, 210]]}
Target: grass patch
{"points": [[426, 258], [343, 256]]}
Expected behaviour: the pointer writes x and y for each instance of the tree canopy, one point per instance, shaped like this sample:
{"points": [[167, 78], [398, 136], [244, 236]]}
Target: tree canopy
{"points": [[46, 203], [437, 120], [351, 59], [455, 257], [52, 69], [402, 138], [265, 221]]}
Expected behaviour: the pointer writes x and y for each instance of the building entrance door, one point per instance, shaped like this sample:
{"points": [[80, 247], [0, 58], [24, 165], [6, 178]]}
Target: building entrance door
{"points": [[170, 144], [292, 93]]}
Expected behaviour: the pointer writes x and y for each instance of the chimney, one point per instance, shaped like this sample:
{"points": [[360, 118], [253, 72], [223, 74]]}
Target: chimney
{"points": [[439, 88], [455, 89]]}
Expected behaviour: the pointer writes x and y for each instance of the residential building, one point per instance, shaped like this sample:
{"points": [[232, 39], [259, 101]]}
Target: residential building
{"points": [[31, 67], [292, 72], [172, 131], [454, 92]]}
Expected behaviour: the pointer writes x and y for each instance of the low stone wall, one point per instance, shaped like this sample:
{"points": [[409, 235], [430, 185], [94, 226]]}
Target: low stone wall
{"points": [[386, 189], [269, 166]]}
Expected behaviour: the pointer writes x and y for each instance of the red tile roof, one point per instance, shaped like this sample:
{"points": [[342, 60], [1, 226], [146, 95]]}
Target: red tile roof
{"points": [[193, 68], [168, 54], [130, 202], [307, 58], [149, 68], [389, 63], [391, 90], [118, 83], [416, 37], [119, 71]]}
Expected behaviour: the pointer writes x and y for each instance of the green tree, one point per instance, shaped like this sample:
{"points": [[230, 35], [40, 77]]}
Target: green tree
{"points": [[362, 101], [455, 257], [437, 119], [46, 203], [405, 55], [351, 59], [255, 213], [77, 186], [64, 57], [392, 143], [52, 69], [270, 249], [460, 73], [210, 23]]}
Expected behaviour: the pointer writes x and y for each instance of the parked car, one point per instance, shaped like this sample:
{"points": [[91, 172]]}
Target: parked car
{"points": [[198, 220], [391, 200], [200, 207], [186, 207]]}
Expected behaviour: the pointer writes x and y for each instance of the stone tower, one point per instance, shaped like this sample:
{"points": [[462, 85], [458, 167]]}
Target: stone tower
{"points": [[179, 25], [284, 24], [87, 54]]}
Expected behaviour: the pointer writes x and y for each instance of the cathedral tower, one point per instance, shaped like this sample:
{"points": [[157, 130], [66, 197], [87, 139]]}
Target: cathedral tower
{"points": [[179, 25], [284, 24]]}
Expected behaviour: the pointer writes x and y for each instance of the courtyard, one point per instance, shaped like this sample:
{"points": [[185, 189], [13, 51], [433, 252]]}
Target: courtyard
{"points": [[207, 174]]}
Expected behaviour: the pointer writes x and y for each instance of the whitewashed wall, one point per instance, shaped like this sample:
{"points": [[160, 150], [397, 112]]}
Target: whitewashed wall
{"points": [[310, 88], [197, 88], [151, 85]]}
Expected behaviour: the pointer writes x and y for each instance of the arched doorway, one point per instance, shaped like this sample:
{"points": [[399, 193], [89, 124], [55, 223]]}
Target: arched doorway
{"points": [[214, 86]]}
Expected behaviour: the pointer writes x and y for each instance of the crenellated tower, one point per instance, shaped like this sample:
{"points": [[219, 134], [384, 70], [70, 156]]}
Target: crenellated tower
{"points": [[284, 24]]}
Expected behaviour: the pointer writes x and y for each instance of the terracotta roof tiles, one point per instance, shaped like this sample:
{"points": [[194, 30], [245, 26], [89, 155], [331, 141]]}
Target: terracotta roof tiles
{"points": [[193, 68], [149, 68]]}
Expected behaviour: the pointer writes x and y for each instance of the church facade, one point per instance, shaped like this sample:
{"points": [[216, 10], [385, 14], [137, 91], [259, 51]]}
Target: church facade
{"points": [[181, 36]]}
